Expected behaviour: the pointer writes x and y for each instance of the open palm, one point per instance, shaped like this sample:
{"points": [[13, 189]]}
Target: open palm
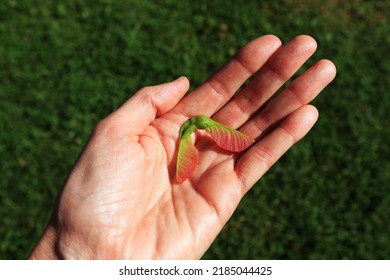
{"points": [[121, 200]]}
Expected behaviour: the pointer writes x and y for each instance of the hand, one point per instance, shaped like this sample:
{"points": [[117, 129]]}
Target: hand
{"points": [[121, 200]]}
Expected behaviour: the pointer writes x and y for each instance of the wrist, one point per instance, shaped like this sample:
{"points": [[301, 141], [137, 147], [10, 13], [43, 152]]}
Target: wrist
{"points": [[46, 248]]}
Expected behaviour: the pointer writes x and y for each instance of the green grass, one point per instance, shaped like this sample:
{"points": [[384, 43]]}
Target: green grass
{"points": [[64, 65]]}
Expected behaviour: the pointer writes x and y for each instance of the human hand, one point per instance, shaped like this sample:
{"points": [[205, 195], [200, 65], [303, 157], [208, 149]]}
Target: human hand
{"points": [[121, 200]]}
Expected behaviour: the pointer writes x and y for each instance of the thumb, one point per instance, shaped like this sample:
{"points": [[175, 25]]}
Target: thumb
{"points": [[150, 102]]}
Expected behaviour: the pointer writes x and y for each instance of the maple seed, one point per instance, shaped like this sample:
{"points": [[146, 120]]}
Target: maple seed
{"points": [[225, 137]]}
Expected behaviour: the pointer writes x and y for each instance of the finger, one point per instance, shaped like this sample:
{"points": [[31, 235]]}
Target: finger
{"points": [[267, 81], [221, 86], [148, 103], [299, 93], [258, 159]]}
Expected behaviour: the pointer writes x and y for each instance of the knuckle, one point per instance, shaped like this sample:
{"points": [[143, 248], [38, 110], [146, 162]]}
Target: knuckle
{"points": [[264, 156], [108, 129]]}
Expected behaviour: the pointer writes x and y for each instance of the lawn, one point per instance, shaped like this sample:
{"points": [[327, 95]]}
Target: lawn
{"points": [[64, 65]]}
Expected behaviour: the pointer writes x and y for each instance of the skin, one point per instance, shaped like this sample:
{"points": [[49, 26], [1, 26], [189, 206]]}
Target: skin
{"points": [[121, 200]]}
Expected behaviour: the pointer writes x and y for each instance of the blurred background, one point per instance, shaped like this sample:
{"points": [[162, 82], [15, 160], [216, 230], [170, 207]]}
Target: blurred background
{"points": [[64, 65]]}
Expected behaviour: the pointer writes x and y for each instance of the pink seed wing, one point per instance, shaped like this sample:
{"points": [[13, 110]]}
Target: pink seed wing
{"points": [[229, 138], [187, 160]]}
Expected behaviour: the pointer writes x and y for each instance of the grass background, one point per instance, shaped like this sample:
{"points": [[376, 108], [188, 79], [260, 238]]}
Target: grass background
{"points": [[64, 65]]}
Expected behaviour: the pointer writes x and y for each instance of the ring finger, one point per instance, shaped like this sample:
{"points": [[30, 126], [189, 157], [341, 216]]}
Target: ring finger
{"points": [[267, 81]]}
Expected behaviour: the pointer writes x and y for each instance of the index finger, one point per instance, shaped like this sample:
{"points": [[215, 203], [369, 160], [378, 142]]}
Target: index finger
{"points": [[222, 85]]}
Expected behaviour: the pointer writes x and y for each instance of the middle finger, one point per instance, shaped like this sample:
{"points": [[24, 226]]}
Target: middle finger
{"points": [[267, 81]]}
